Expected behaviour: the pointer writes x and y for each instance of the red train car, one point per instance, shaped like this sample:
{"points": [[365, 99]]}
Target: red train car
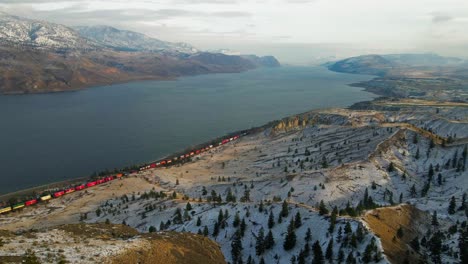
{"points": [[225, 141], [91, 184], [109, 178], [100, 181], [153, 165], [30, 202], [80, 187], [58, 194], [163, 162], [70, 190], [119, 175]]}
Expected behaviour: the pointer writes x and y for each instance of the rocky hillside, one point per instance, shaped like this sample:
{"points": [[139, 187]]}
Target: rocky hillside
{"points": [[37, 56], [106, 243], [125, 40], [326, 186], [427, 76]]}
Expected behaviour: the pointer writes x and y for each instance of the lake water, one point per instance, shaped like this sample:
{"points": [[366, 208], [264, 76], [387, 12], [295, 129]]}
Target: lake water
{"points": [[52, 137]]}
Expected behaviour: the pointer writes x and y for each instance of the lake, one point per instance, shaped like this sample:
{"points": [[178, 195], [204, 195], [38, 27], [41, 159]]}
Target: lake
{"points": [[46, 138]]}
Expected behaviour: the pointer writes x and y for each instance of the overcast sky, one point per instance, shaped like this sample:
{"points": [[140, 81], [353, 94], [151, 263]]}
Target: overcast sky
{"points": [[294, 30]]}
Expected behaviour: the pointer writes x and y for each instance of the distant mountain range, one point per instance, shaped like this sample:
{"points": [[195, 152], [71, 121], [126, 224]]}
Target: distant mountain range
{"points": [[38, 56], [410, 75], [394, 64]]}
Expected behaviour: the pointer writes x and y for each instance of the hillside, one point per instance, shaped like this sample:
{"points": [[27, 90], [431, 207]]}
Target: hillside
{"points": [[37, 56], [372, 186], [106, 243], [426, 76]]}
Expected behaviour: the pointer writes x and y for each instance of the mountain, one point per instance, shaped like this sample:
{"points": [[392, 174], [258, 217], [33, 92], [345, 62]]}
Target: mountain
{"points": [[38, 56], [366, 64], [40, 34], [131, 41]]}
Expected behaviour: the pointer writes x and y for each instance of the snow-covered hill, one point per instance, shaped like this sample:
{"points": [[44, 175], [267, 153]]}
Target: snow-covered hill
{"points": [[131, 41], [40, 34]]}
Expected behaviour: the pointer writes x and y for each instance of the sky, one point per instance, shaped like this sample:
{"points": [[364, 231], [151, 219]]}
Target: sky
{"points": [[296, 31]]}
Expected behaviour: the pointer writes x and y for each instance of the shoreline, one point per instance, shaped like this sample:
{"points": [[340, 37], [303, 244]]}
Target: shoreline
{"points": [[57, 184]]}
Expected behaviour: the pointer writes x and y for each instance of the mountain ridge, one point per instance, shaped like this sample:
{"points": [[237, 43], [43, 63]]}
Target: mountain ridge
{"points": [[38, 56]]}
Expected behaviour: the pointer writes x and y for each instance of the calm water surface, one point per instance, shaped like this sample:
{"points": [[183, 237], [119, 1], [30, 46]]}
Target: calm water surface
{"points": [[51, 137]]}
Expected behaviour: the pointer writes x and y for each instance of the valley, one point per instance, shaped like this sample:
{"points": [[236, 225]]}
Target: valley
{"points": [[343, 174]]}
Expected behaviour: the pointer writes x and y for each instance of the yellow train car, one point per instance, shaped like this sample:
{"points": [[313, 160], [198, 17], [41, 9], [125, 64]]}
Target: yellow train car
{"points": [[46, 197], [5, 210]]}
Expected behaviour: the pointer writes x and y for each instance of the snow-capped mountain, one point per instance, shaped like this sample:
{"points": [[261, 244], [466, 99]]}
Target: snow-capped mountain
{"points": [[40, 34], [130, 40]]}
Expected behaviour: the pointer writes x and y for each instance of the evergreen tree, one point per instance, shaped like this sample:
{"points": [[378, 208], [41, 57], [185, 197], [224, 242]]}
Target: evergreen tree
{"points": [[243, 226], [236, 221], [329, 251], [260, 244], [269, 240], [205, 231], [271, 220], [434, 222], [284, 209], [452, 206], [333, 219], [198, 221], [318, 254], [463, 245], [290, 239], [308, 235], [236, 247], [215, 230], [260, 207], [322, 208], [298, 220]]}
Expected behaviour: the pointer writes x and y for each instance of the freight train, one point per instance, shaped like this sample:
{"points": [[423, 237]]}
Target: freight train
{"points": [[160, 163]]}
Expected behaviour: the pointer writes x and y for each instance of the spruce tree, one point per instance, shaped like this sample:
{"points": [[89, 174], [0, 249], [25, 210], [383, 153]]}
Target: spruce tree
{"points": [[322, 208], [434, 221], [236, 221], [269, 240], [452, 206], [271, 220], [318, 254], [298, 220], [308, 235], [290, 239], [329, 251], [284, 209], [260, 244], [236, 247]]}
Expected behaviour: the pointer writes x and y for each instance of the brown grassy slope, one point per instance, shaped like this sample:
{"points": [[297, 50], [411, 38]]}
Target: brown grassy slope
{"points": [[172, 248], [27, 70], [385, 222]]}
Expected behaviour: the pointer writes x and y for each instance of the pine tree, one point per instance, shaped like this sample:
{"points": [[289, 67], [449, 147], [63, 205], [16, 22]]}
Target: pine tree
{"points": [[434, 222], [269, 240], [236, 247], [452, 206], [243, 226], [260, 207], [333, 219], [290, 239], [413, 191], [236, 221], [463, 245], [216, 230], [262, 261], [318, 254], [417, 154], [205, 231], [298, 220], [329, 251], [260, 244], [271, 220], [308, 235], [198, 221], [322, 208], [284, 209]]}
